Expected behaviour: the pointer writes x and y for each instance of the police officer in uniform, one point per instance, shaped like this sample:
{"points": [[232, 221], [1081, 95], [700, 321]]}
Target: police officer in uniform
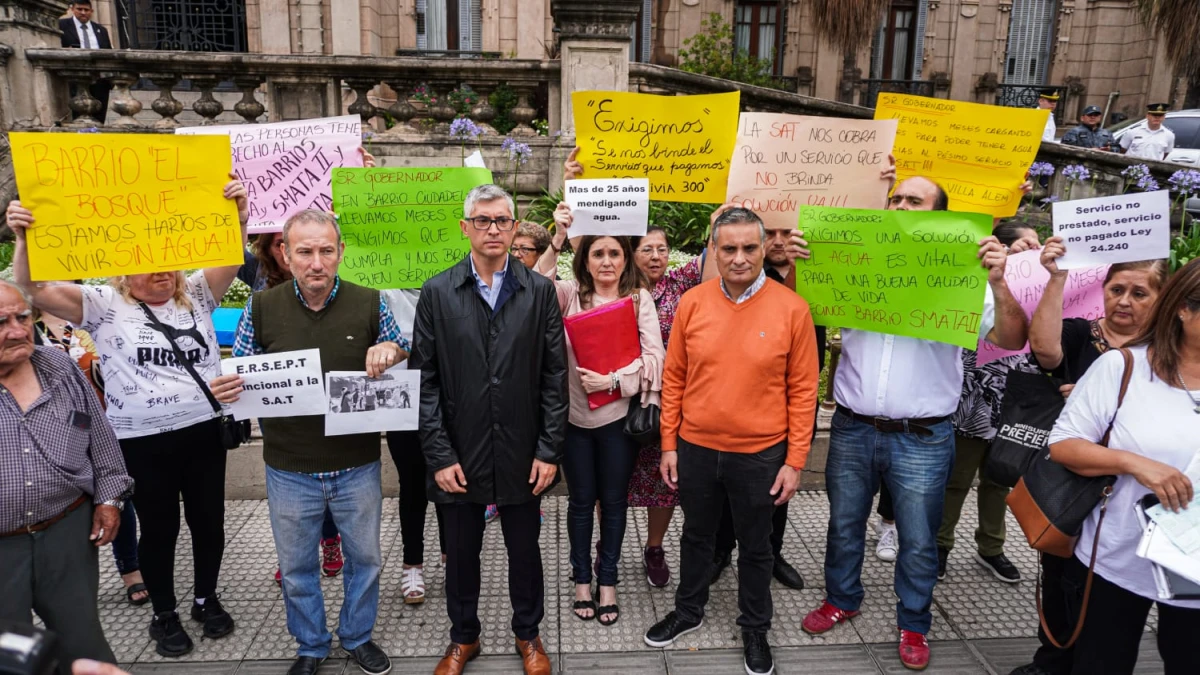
{"points": [[1153, 141], [1089, 133]]}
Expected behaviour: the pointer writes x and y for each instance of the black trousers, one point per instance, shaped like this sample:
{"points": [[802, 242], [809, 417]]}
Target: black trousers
{"points": [[597, 463], [1113, 628], [55, 573], [188, 462], [885, 509], [726, 539], [521, 524], [405, 447], [707, 479], [1059, 618]]}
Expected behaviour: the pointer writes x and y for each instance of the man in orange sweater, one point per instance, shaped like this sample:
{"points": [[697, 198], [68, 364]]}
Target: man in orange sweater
{"points": [[738, 407]]}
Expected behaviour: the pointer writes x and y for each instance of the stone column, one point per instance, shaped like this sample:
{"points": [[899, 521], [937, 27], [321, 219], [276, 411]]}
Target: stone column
{"points": [[27, 24], [593, 46]]}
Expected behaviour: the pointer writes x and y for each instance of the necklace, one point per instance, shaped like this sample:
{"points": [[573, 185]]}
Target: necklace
{"points": [[1195, 401]]}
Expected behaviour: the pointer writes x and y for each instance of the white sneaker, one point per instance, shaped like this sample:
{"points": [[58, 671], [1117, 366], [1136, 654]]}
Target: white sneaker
{"points": [[888, 546]]}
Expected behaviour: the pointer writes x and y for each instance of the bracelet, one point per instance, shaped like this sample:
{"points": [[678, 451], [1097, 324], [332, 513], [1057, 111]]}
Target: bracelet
{"points": [[613, 384]]}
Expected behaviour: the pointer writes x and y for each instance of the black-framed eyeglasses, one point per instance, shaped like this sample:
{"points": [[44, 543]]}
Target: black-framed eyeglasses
{"points": [[522, 250], [504, 223]]}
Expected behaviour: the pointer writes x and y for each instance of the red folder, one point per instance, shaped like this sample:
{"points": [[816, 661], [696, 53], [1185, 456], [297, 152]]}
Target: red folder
{"points": [[605, 340]]}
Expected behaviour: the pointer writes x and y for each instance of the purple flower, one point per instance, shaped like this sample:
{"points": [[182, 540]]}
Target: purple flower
{"points": [[1146, 184], [464, 129], [1049, 200], [1039, 169], [89, 130], [1185, 181], [517, 152], [1076, 172], [1136, 171], [367, 136]]}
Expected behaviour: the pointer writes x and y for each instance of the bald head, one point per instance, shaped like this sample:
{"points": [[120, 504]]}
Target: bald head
{"points": [[918, 194]]}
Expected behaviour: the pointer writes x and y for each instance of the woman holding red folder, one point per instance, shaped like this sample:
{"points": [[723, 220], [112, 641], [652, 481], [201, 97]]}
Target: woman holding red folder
{"points": [[598, 457]]}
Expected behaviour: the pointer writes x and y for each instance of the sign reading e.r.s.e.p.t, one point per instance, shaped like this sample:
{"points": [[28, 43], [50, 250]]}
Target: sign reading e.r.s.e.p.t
{"points": [[911, 273], [401, 226], [1116, 229], [283, 384]]}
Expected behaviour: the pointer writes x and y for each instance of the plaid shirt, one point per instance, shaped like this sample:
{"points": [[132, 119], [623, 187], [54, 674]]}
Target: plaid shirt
{"points": [[244, 343], [58, 449]]}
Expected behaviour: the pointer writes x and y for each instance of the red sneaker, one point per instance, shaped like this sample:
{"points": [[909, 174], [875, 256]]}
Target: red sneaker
{"points": [[331, 553], [824, 618], [278, 576], [914, 650]]}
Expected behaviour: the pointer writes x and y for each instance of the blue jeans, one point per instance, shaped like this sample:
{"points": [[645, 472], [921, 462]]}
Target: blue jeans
{"points": [[124, 547], [598, 464], [915, 468], [297, 504]]}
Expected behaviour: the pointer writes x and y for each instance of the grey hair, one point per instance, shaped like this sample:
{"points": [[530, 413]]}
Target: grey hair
{"points": [[311, 216], [736, 216], [23, 293], [486, 193]]}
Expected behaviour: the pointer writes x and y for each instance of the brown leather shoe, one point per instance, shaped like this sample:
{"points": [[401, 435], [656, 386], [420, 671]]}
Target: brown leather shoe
{"points": [[533, 656], [456, 658]]}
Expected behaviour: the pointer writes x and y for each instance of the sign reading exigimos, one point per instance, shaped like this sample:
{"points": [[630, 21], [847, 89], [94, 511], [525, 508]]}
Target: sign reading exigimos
{"points": [[683, 144]]}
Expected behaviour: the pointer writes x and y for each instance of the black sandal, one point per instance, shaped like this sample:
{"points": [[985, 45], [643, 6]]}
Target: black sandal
{"points": [[608, 609], [585, 604], [134, 590]]}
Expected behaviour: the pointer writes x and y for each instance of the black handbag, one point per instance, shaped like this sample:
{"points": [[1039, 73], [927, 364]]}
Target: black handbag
{"points": [[233, 432], [1031, 405], [642, 423]]}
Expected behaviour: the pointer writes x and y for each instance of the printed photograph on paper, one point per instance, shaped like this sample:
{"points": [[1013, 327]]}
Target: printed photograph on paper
{"points": [[360, 404]]}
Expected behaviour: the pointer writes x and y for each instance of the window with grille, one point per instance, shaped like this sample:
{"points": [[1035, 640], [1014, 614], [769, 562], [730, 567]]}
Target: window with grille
{"points": [[183, 25], [756, 31], [1030, 42], [639, 45]]}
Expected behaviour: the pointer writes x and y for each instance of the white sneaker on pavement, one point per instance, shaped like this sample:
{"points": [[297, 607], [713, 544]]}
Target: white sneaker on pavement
{"points": [[888, 546]]}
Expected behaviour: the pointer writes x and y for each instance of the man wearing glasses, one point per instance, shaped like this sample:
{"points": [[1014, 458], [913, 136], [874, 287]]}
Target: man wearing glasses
{"points": [[1153, 141], [1089, 133], [488, 340]]}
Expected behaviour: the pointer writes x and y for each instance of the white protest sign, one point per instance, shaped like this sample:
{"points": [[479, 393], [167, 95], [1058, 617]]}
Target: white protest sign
{"points": [[288, 166], [611, 206], [285, 384], [474, 160], [1117, 229], [358, 404]]}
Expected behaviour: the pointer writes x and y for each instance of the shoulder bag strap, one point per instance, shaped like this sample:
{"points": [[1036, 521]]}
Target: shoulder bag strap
{"points": [[1126, 376], [187, 365]]}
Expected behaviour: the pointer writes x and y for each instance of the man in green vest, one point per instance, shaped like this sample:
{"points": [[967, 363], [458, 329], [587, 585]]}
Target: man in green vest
{"points": [[308, 471]]}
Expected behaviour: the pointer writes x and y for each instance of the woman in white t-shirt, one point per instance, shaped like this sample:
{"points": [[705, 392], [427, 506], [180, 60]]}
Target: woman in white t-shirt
{"points": [[169, 432], [1155, 436]]}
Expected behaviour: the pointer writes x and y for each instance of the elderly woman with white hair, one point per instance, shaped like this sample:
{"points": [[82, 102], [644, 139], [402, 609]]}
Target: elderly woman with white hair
{"points": [[170, 433]]}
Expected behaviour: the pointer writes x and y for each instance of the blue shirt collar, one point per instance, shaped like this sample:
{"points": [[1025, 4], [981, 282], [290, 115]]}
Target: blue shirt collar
{"points": [[337, 281]]}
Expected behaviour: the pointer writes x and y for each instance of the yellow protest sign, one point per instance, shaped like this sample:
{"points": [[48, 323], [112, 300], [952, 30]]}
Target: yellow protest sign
{"points": [[783, 162], [681, 143], [978, 153], [115, 204]]}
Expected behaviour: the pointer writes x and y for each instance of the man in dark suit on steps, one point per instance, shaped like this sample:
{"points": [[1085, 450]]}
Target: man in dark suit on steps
{"points": [[80, 32]]}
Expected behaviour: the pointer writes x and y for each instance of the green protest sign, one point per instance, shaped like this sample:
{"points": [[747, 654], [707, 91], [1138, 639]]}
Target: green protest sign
{"points": [[401, 226], [912, 273]]}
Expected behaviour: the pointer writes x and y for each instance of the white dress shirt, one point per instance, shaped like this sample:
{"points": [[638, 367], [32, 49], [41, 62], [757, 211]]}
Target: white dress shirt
{"points": [[1050, 131], [92, 41], [901, 377], [1148, 144]]}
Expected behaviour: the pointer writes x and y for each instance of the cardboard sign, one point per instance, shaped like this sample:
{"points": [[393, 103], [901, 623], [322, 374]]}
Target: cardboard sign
{"points": [[912, 273], [286, 384], [401, 226], [113, 204], [1117, 229], [359, 404], [287, 166], [1083, 296], [615, 207], [782, 162], [978, 153], [681, 143]]}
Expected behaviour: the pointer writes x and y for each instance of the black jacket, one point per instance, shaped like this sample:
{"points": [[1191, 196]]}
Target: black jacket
{"points": [[70, 36], [493, 384]]}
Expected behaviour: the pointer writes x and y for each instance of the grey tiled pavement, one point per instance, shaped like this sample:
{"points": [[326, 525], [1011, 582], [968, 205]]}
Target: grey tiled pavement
{"points": [[979, 626]]}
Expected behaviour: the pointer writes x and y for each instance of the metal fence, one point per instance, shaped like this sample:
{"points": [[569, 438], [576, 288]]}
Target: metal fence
{"points": [[183, 25]]}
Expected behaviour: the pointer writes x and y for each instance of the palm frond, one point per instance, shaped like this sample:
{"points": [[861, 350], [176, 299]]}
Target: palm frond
{"points": [[1177, 23], [848, 24]]}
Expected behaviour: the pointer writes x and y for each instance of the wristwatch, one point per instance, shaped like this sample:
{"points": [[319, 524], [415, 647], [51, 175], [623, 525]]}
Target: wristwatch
{"points": [[117, 504]]}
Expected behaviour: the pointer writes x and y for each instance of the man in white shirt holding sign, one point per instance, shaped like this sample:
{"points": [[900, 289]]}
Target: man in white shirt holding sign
{"points": [[895, 397]]}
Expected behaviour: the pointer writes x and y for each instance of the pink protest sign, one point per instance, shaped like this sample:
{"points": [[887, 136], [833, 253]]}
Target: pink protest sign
{"points": [[1083, 296], [288, 166]]}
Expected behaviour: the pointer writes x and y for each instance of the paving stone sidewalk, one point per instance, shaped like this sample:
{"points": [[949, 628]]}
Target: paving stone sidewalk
{"points": [[980, 625]]}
